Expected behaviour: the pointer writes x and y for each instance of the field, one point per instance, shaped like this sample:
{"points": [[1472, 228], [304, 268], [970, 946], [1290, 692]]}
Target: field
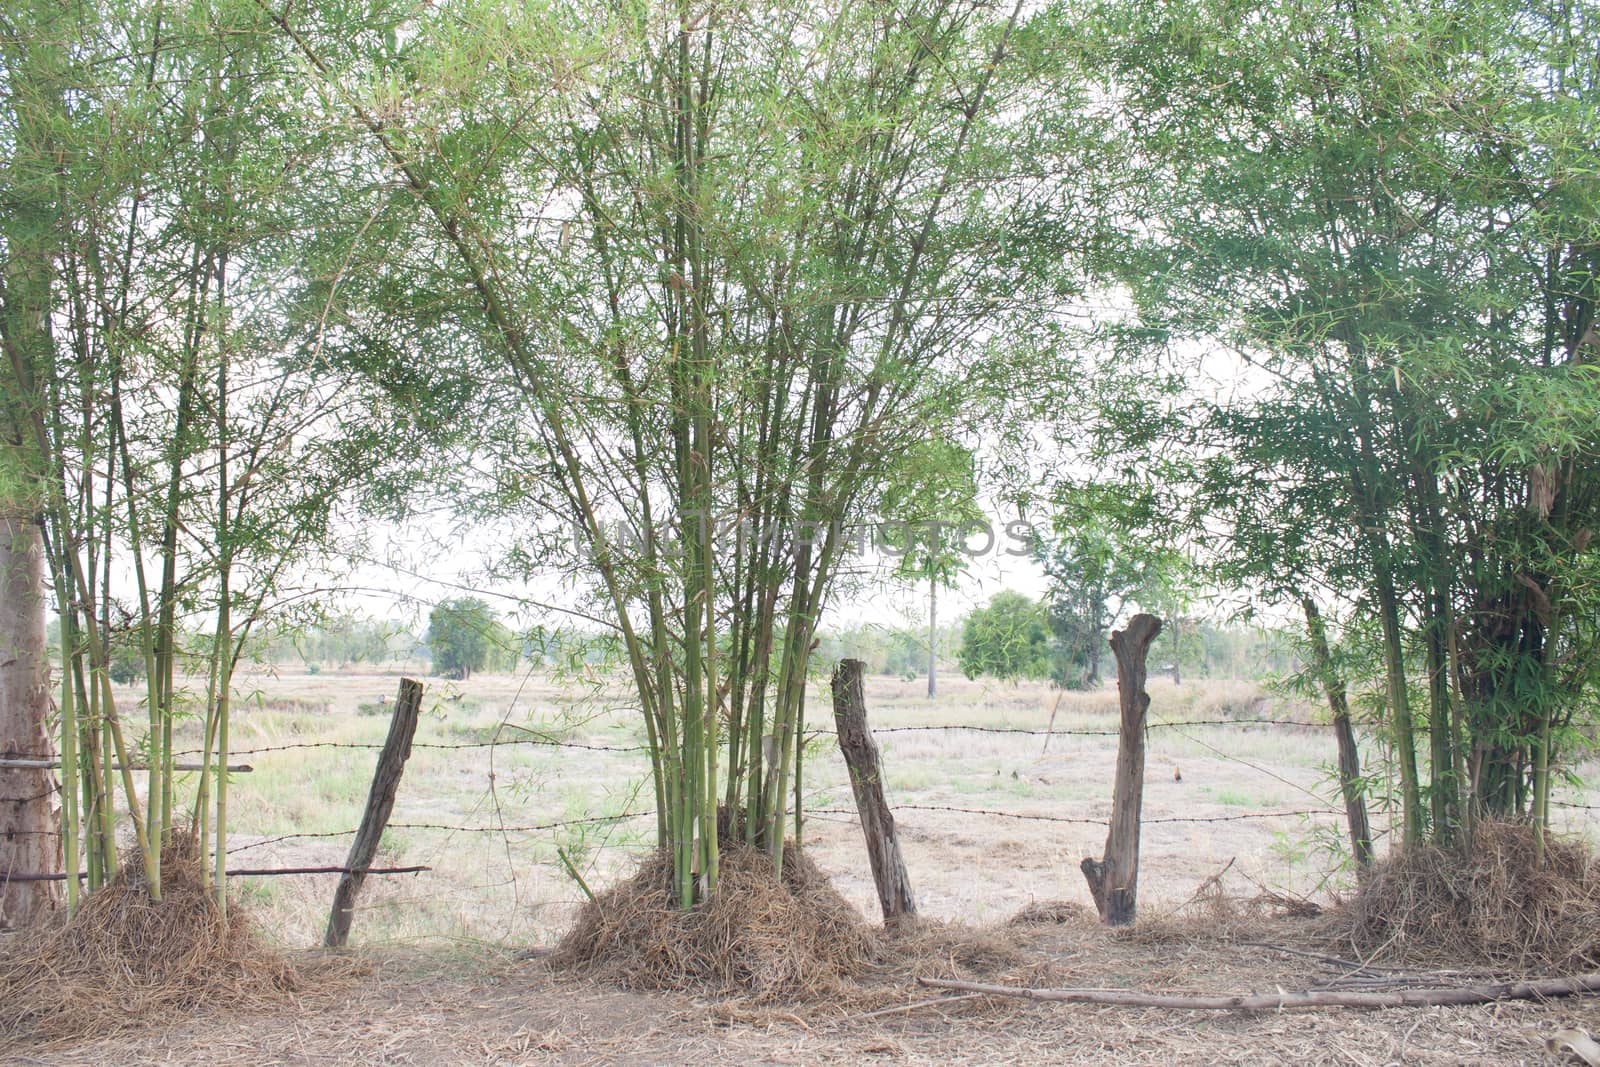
{"points": [[448, 982]]}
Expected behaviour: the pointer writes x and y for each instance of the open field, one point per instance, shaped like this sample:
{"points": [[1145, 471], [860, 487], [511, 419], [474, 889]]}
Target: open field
{"points": [[509, 889], [444, 982]]}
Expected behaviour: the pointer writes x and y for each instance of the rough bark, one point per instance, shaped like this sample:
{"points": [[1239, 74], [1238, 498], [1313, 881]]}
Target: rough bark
{"points": [[866, 781], [380, 802], [1114, 879], [29, 832], [28, 224]]}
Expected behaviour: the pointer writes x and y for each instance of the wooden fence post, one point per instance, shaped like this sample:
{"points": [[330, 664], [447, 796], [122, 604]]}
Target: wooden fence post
{"points": [[380, 802], [1114, 880], [866, 781]]}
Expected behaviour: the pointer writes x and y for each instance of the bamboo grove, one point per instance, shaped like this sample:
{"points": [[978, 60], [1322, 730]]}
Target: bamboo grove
{"points": [[170, 439], [1388, 213], [710, 289], [676, 298]]}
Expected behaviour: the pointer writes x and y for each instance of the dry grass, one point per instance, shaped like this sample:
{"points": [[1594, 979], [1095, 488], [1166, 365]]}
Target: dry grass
{"points": [[1051, 912], [441, 1007], [1488, 903], [122, 960], [758, 935], [931, 948], [432, 1011]]}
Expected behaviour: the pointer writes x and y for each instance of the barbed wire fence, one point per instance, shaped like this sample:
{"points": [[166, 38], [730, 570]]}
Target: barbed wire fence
{"points": [[535, 739]]}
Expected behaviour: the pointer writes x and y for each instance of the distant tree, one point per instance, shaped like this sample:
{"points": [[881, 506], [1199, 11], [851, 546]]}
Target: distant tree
{"points": [[931, 505], [907, 653], [127, 662], [1009, 639], [505, 648], [459, 633], [1088, 581], [1097, 561]]}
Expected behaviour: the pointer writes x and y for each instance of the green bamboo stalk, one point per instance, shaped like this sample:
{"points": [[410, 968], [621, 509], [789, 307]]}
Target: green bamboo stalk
{"points": [[108, 804], [220, 887], [70, 784], [201, 820], [140, 833], [88, 803], [224, 634], [1541, 786], [799, 765], [153, 776]]}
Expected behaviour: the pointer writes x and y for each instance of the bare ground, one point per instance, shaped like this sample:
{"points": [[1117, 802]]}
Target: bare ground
{"points": [[416, 1008]]}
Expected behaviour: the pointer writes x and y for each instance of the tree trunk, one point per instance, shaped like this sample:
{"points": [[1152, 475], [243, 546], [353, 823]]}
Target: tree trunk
{"points": [[29, 838], [1114, 880], [866, 781], [933, 635], [28, 825], [1350, 783]]}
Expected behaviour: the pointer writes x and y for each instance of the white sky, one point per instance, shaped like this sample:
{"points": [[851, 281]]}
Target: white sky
{"points": [[416, 565]]}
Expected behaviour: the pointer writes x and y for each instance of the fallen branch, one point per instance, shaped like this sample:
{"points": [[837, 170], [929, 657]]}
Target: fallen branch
{"points": [[1281, 1001], [1332, 961]]}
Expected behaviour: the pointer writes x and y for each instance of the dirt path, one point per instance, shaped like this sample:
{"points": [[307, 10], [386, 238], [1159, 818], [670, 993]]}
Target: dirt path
{"points": [[434, 1010]]}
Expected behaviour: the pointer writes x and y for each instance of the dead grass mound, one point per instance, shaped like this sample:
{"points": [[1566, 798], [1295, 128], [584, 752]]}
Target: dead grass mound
{"points": [[932, 948], [1051, 913], [789, 939], [1489, 903], [122, 960], [1214, 914]]}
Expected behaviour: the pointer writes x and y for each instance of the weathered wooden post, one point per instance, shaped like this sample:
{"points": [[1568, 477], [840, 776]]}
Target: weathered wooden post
{"points": [[1114, 880], [866, 781], [380, 802]]}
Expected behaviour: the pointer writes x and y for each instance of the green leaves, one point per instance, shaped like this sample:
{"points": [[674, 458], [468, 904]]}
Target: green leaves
{"points": [[1009, 639], [1354, 203]]}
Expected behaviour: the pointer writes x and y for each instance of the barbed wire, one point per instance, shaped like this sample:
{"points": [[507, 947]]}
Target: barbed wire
{"points": [[589, 820], [235, 872], [446, 745], [595, 820], [1069, 732], [808, 812], [547, 742], [1084, 820]]}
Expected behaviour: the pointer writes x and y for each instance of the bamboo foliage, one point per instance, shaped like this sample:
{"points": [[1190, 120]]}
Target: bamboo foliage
{"points": [[1386, 212], [188, 448], [708, 270]]}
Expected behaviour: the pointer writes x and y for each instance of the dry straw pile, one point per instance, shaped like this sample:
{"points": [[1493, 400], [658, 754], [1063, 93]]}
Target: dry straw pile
{"points": [[759, 936], [122, 960], [1491, 902]]}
